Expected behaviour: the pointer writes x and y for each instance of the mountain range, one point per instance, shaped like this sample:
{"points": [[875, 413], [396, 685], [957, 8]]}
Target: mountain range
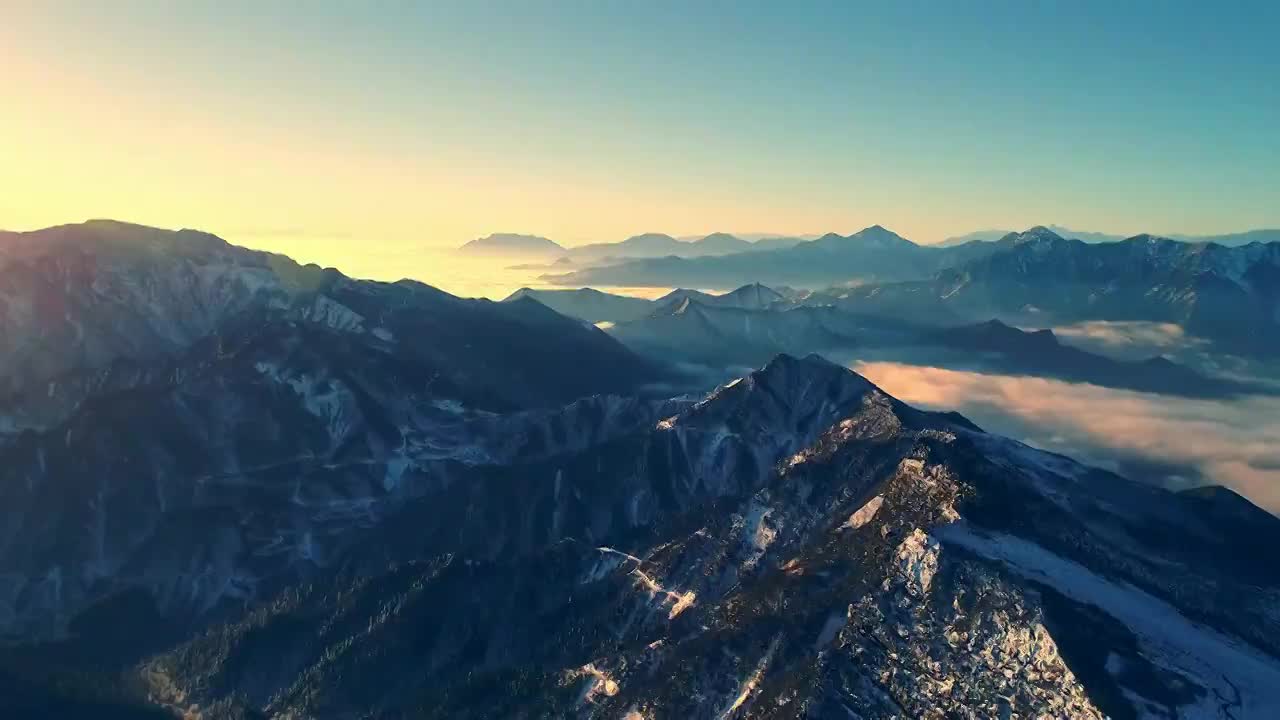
{"points": [[646, 245], [232, 486], [1228, 239], [1230, 295], [740, 328], [870, 254], [650, 257], [595, 306], [1227, 295]]}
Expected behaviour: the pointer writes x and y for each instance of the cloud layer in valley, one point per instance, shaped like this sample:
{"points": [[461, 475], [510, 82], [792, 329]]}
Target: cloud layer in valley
{"points": [[1140, 337], [1178, 442]]}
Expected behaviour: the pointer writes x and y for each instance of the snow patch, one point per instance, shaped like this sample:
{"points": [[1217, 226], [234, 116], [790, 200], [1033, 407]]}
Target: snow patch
{"points": [[758, 532], [601, 683], [864, 514], [753, 680], [333, 314], [679, 601], [835, 622], [918, 561]]}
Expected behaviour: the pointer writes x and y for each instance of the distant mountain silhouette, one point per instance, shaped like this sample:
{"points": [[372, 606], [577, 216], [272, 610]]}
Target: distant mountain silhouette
{"points": [[1228, 239], [874, 253], [513, 244]]}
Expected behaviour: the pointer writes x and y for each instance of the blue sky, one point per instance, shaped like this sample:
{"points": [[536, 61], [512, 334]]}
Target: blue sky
{"points": [[436, 122]]}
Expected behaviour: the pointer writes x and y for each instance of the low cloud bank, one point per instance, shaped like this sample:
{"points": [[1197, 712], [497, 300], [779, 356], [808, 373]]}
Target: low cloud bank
{"points": [[1125, 335], [1178, 442]]}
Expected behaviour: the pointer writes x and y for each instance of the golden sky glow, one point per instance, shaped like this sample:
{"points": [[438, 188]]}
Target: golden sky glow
{"points": [[327, 131]]}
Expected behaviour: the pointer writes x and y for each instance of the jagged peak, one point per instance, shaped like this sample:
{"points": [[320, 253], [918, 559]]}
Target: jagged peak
{"points": [[787, 371]]}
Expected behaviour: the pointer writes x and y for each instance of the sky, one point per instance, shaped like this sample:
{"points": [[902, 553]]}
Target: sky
{"points": [[329, 129]]}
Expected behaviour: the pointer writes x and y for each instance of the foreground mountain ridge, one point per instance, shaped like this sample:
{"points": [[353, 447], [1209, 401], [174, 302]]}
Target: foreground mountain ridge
{"points": [[794, 544]]}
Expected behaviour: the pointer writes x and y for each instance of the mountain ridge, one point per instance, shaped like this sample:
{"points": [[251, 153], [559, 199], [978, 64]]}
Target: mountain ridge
{"points": [[831, 542]]}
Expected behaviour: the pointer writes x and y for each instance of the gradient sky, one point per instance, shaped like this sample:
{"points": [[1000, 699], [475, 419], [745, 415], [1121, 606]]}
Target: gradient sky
{"points": [[332, 126]]}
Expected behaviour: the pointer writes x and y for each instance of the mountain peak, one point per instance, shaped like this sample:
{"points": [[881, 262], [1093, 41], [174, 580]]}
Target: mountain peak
{"points": [[874, 236], [804, 394], [784, 362], [720, 236], [880, 235], [650, 237], [754, 296]]}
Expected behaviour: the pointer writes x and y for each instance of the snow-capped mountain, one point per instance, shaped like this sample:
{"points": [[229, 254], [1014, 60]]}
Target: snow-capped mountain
{"points": [[1231, 294]]}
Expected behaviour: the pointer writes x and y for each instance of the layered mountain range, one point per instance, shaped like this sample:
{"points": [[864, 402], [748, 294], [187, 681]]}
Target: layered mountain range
{"points": [[747, 326], [1230, 295], [236, 487], [873, 253], [645, 245], [1228, 239]]}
